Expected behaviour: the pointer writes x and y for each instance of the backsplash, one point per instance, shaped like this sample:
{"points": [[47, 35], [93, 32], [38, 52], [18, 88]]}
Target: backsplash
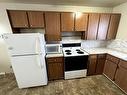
{"points": [[118, 44], [93, 43]]}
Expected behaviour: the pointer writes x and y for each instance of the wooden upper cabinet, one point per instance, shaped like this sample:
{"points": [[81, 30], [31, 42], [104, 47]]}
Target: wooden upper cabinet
{"points": [[92, 26], [52, 22], [81, 20], [36, 19], [18, 19], [67, 21], [113, 26], [103, 26]]}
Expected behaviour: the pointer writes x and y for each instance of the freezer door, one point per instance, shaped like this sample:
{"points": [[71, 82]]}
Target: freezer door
{"points": [[29, 71], [24, 44]]}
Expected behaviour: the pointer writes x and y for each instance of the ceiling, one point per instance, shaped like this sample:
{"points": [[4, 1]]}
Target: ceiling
{"points": [[94, 3]]}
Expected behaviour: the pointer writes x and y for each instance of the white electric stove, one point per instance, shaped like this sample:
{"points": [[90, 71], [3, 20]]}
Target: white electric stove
{"points": [[75, 61]]}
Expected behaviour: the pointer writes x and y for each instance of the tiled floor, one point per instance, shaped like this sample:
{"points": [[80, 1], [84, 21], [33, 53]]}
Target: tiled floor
{"points": [[93, 85]]}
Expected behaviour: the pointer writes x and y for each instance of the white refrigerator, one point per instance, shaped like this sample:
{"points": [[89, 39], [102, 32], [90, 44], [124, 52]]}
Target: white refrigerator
{"points": [[27, 53]]}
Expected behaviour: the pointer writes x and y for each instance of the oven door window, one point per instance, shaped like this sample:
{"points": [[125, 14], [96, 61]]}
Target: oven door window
{"points": [[76, 63]]}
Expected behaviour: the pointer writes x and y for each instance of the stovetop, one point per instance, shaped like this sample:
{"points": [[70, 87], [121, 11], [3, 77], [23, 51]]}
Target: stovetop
{"points": [[73, 51]]}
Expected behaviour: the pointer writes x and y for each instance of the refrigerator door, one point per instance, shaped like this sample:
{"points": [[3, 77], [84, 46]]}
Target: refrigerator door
{"points": [[29, 71], [25, 44]]}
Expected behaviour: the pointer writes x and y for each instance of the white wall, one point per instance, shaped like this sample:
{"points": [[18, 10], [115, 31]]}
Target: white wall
{"points": [[122, 30], [5, 26]]}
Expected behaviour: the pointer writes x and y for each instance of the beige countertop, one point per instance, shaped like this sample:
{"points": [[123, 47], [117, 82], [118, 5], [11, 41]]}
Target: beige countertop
{"points": [[54, 55], [113, 52]]}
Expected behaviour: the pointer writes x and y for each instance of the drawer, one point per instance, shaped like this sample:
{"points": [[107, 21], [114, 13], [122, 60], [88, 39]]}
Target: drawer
{"points": [[123, 64], [55, 59], [112, 58]]}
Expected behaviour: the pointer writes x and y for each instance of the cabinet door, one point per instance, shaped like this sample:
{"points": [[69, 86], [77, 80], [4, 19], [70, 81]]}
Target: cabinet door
{"points": [[92, 26], [52, 21], [110, 69], [100, 63], [113, 26], [92, 64], [18, 19], [36, 19], [67, 22], [103, 26], [55, 70], [81, 21], [121, 78]]}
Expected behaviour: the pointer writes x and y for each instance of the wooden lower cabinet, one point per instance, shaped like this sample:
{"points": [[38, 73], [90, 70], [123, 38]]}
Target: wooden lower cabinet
{"points": [[55, 68], [110, 69], [92, 64], [96, 64], [121, 78], [100, 63]]}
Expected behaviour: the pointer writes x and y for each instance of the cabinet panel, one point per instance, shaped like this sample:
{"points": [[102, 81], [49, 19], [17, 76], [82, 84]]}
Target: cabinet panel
{"points": [[103, 26], [52, 21], [36, 19], [92, 64], [113, 26], [55, 68], [55, 71], [100, 63], [110, 69], [81, 20], [92, 26], [121, 78], [67, 21], [18, 19]]}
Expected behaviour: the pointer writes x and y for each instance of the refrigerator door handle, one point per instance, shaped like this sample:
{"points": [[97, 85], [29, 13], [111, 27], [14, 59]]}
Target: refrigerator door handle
{"points": [[37, 51]]}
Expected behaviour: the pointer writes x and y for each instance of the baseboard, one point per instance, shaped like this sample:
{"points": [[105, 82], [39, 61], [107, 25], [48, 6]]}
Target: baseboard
{"points": [[115, 84]]}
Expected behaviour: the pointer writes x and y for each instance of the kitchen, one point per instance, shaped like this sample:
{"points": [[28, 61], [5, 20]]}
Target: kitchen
{"points": [[49, 40]]}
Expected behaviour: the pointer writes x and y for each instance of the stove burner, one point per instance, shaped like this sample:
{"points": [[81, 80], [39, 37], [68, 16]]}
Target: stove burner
{"points": [[68, 53], [77, 49], [80, 52]]}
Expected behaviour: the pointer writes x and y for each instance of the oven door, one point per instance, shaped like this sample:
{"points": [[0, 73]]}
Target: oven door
{"points": [[76, 63]]}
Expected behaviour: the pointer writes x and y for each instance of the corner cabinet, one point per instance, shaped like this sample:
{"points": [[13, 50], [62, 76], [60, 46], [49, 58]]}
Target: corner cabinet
{"points": [[113, 26], [55, 68], [18, 19], [52, 23]]}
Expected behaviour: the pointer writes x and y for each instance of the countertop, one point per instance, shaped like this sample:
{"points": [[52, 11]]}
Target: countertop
{"points": [[121, 55], [54, 55]]}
